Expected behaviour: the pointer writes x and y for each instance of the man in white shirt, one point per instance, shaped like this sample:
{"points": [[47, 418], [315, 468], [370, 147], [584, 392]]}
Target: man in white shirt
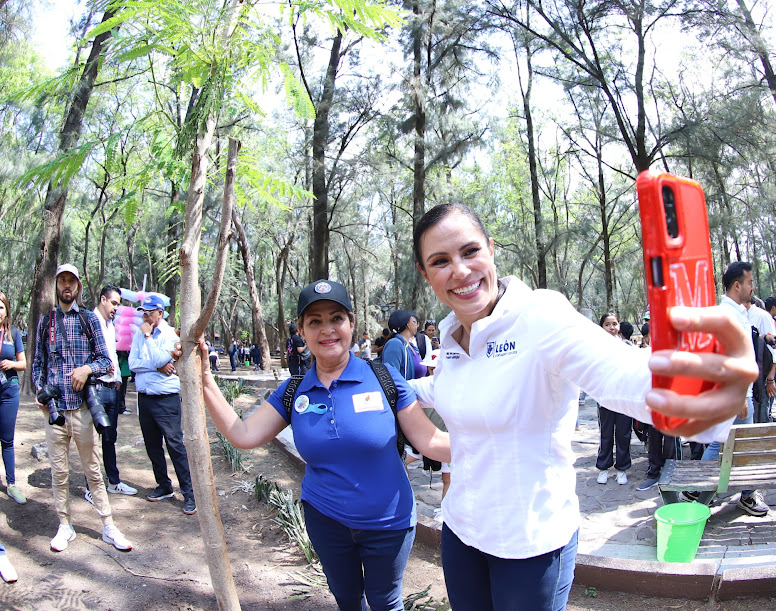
{"points": [[739, 288], [108, 386]]}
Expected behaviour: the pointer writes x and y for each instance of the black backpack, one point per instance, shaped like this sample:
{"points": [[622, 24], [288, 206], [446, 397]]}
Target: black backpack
{"points": [[386, 383], [764, 363]]}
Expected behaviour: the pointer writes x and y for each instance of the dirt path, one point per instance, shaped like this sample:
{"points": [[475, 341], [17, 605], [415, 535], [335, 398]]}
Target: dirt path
{"points": [[166, 570]]}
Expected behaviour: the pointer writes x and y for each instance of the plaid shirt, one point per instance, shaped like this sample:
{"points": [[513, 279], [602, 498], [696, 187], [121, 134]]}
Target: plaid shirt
{"points": [[62, 360]]}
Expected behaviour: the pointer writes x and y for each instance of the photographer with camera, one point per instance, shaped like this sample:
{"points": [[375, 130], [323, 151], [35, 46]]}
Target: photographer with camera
{"points": [[70, 350]]}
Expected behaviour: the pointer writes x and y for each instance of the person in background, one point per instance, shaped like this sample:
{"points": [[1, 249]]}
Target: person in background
{"points": [[399, 351], [366, 347], [379, 343], [126, 374], [12, 361], [295, 347], [645, 335], [159, 402], [108, 388], [70, 350], [614, 445], [7, 572], [256, 357]]}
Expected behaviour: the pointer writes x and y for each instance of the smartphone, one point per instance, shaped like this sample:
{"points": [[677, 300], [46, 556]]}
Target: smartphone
{"points": [[679, 271]]}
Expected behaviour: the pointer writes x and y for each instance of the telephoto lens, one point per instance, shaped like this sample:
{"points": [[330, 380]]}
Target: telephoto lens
{"points": [[96, 408], [48, 396]]}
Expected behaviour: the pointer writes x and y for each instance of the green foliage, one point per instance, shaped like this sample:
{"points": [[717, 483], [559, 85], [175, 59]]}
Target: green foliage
{"points": [[234, 456], [289, 514]]}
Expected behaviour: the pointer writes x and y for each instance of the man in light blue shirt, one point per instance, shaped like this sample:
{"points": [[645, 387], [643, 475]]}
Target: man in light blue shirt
{"points": [[159, 402]]}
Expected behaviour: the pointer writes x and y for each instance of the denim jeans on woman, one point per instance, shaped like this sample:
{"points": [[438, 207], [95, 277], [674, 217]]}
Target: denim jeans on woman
{"points": [[9, 408], [477, 581], [360, 565]]}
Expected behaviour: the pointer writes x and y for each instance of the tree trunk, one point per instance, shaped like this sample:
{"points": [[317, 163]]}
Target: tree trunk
{"points": [[419, 156], [541, 249], [319, 266], [257, 316], [42, 296], [759, 47], [193, 323], [281, 267]]}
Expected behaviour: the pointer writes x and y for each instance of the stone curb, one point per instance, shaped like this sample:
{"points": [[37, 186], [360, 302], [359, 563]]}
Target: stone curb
{"points": [[695, 581]]}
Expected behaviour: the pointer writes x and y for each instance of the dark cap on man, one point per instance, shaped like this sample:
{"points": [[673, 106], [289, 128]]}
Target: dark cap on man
{"points": [[769, 303], [323, 289]]}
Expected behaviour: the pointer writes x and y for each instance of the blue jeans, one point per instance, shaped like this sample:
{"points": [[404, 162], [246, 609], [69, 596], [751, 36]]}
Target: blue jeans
{"points": [[477, 581], [360, 565], [9, 407], [712, 450]]}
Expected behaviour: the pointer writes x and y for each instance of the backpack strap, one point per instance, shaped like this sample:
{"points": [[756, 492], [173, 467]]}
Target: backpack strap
{"points": [[290, 393], [392, 395]]}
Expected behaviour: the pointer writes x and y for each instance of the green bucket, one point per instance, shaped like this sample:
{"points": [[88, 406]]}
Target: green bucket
{"points": [[679, 530]]}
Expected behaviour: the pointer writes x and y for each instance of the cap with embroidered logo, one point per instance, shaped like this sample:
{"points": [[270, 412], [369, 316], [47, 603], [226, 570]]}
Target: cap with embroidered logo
{"points": [[152, 302], [323, 289]]}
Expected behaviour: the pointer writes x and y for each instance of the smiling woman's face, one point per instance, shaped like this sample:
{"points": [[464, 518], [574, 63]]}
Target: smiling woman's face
{"points": [[327, 329], [458, 263]]}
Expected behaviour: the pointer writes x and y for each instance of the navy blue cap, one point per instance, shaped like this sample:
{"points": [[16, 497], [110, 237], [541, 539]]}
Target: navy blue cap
{"points": [[323, 289]]}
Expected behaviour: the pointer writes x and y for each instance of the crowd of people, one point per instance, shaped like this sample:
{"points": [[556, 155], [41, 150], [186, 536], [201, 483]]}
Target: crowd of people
{"points": [[510, 364], [80, 381]]}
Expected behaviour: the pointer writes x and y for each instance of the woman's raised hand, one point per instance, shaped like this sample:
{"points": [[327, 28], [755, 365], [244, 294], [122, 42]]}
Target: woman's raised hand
{"points": [[732, 370]]}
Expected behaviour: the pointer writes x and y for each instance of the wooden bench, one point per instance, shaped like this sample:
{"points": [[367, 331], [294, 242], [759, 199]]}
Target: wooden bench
{"points": [[747, 462]]}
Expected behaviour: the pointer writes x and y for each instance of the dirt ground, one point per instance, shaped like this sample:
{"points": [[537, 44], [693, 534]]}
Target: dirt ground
{"points": [[167, 570]]}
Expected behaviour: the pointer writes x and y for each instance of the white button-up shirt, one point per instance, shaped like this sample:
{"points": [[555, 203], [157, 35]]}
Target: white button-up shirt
{"points": [[109, 333], [511, 405]]}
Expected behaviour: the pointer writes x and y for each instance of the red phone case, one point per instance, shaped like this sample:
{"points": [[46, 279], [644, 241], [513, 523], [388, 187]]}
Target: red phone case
{"points": [[679, 271]]}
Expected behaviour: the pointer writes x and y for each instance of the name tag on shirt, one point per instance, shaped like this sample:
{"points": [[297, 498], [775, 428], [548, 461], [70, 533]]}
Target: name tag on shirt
{"points": [[368, 402]]}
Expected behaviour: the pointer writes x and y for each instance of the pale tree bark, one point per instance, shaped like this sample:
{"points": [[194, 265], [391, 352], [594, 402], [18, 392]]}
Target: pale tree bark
{"points": [[257, 316], [281, 268], [42, 297], [193, 323]]}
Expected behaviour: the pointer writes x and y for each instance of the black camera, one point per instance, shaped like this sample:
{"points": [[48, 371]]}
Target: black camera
{"points": [[48, 396], [92, 399]]}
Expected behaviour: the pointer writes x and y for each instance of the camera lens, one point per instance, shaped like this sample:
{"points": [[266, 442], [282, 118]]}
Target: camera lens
{"points": [[669, 206]]}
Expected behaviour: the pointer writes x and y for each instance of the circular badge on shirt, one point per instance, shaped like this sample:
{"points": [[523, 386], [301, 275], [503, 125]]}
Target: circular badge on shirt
{"points": [[322, 288], [301, 404]]}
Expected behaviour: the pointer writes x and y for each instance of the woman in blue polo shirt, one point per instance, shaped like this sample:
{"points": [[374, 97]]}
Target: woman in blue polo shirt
{"points": [[358, 504], [12, 361]]}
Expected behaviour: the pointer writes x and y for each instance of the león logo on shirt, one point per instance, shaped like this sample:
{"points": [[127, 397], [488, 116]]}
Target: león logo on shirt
{"points": [[497, 349]]}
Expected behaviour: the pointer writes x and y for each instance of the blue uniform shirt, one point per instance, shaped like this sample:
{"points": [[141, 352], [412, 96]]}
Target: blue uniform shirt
{"points": [[347, 435]]}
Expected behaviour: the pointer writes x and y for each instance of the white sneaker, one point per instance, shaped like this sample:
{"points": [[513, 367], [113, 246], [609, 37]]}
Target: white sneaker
{"points": [[7, 572], [603, 477], [121, 488], [88, 496], [112, 535], [64, 535], [622, 478]]}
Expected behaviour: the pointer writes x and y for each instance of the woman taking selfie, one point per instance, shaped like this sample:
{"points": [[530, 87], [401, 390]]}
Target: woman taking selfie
{"points": [[507, 383], [358, 504], [12, 361]]}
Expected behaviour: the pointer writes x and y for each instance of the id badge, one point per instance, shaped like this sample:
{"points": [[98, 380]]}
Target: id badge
{"points": [[368, 402]]}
